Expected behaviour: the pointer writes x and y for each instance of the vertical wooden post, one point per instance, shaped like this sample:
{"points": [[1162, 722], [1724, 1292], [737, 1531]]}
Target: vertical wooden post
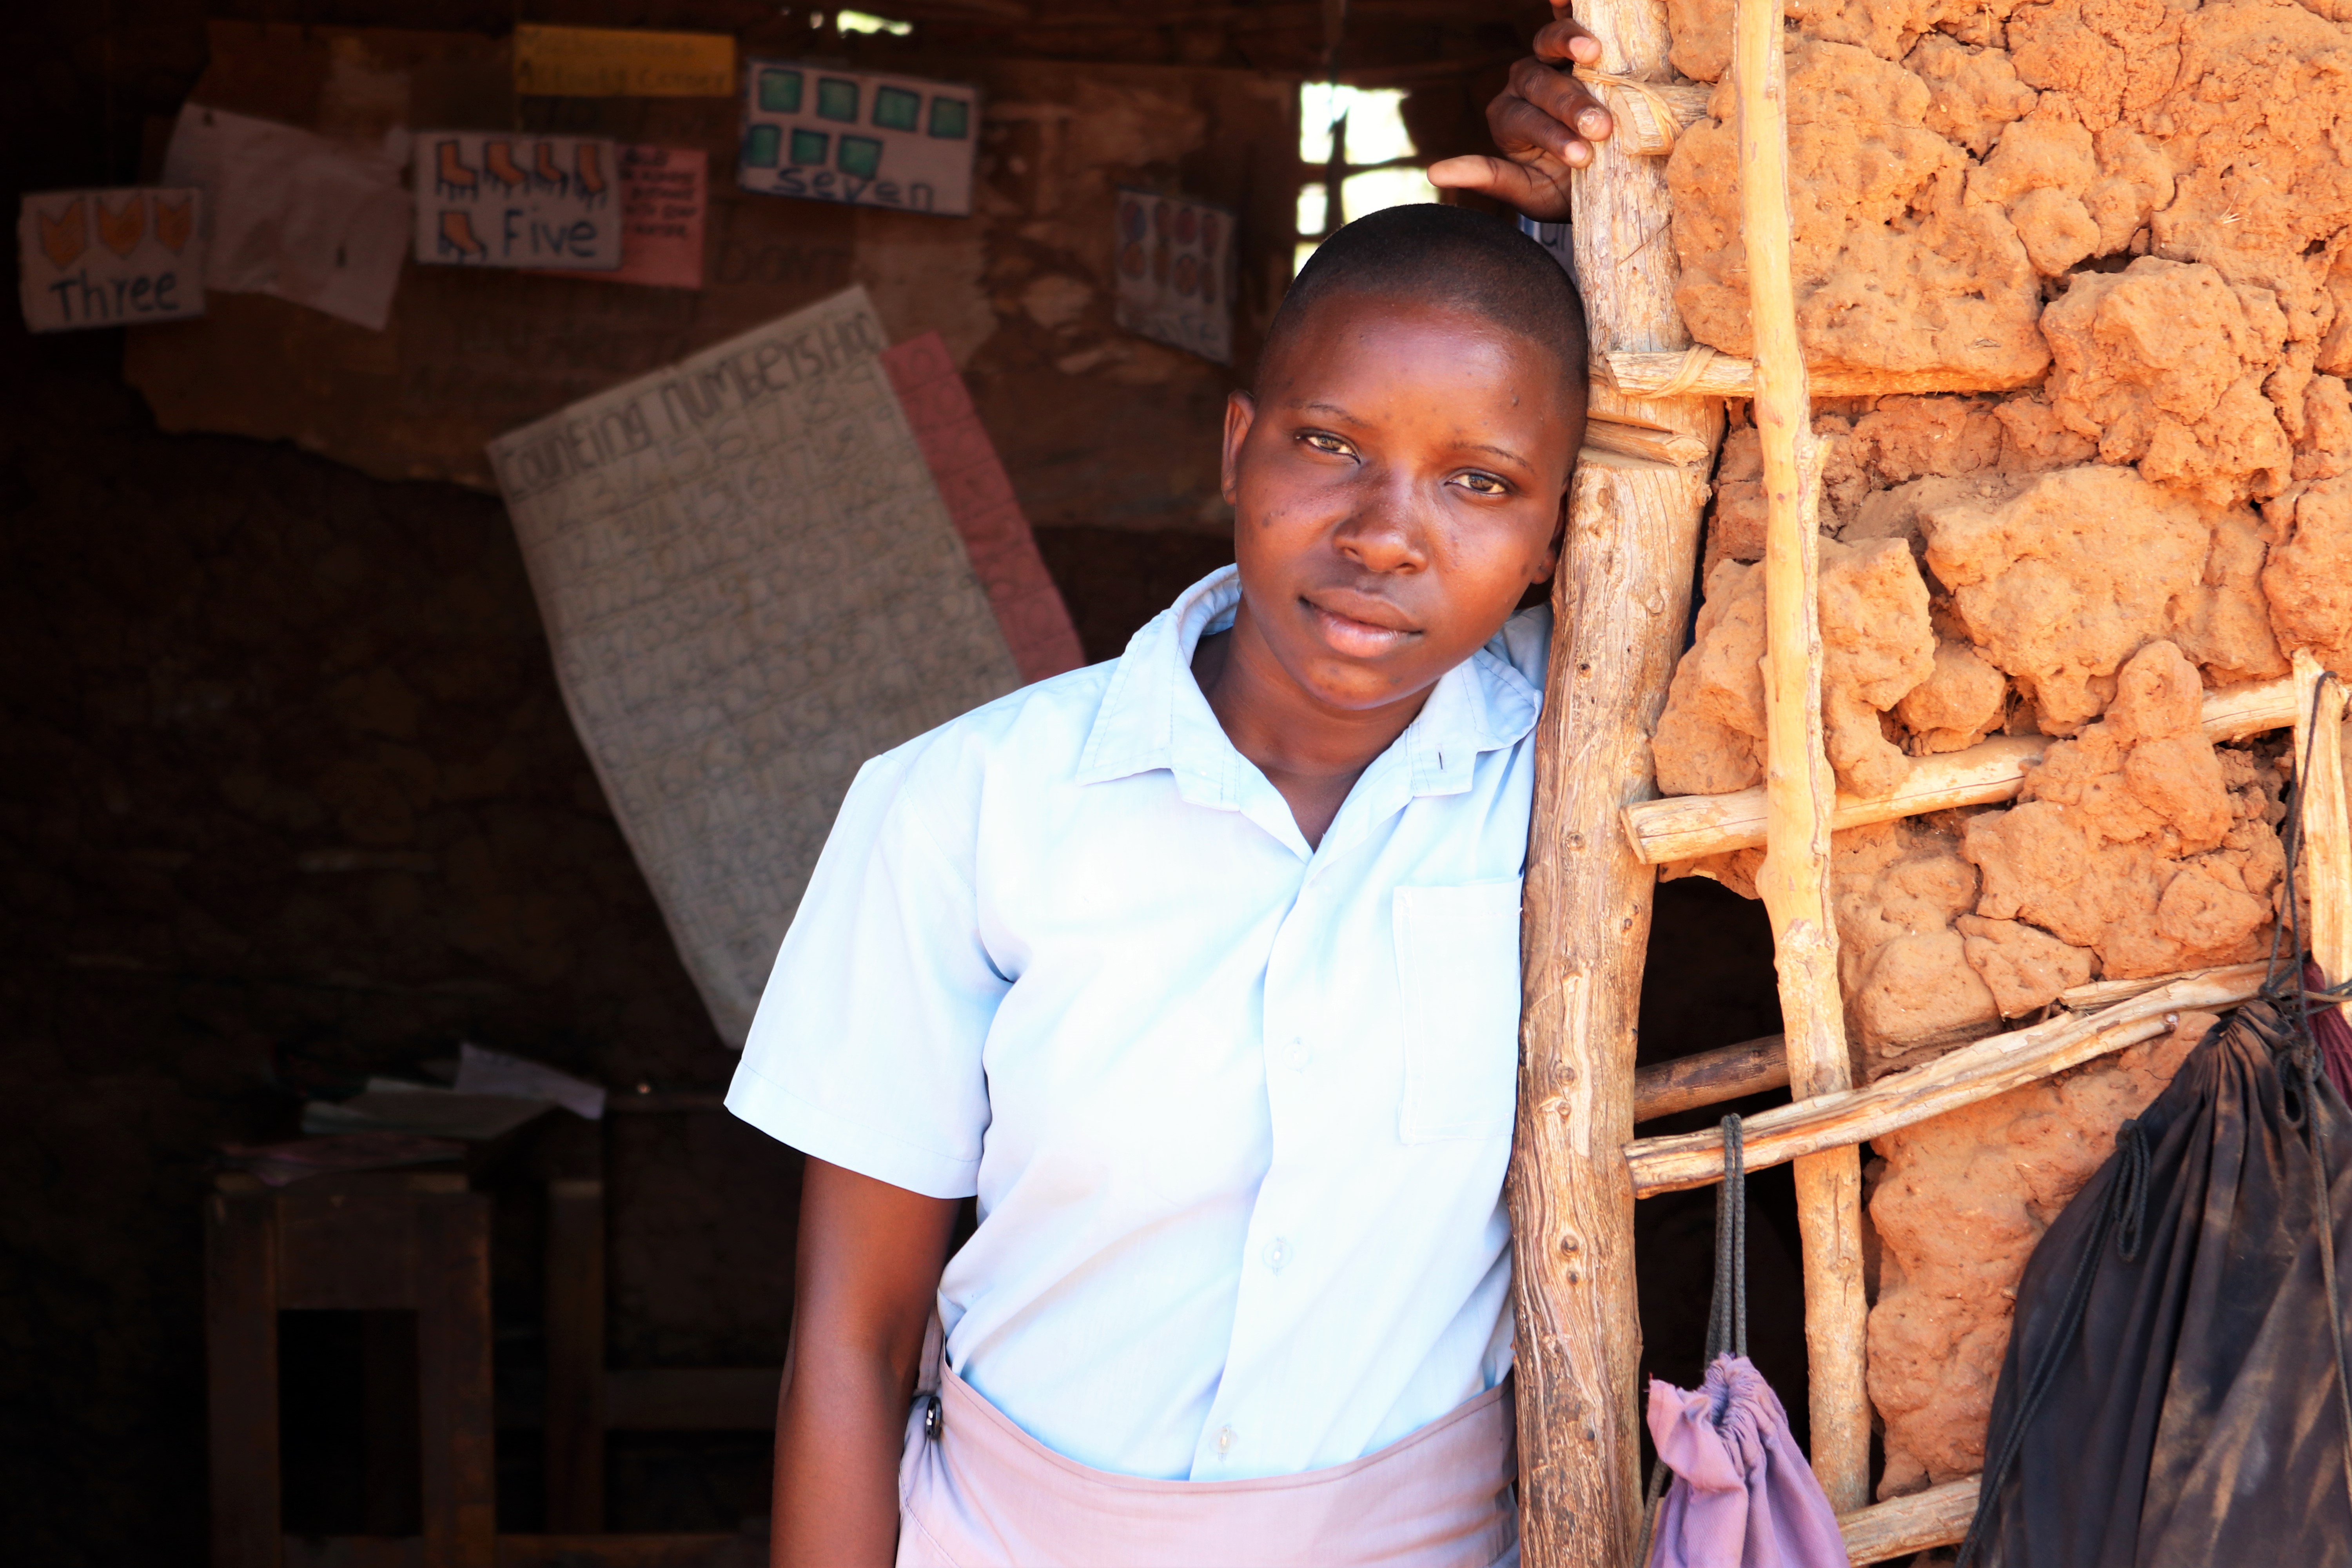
{"points": [[1621, 604], [1795, 877], [2327, 869], [454, 1401], [241, 1377], [1622, 600], [575, 1356]]}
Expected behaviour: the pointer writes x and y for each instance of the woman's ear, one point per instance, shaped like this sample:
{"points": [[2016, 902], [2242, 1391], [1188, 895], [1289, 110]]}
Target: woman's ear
{"points": [[1241, 413]]}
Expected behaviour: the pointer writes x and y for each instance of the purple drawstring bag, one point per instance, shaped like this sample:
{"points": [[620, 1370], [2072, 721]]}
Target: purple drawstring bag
{"points": [[1743, 1497]]}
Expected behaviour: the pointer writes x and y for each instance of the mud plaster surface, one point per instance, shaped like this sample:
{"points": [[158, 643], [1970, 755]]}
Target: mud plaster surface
{"points": [[2131, 222], [1958, 1204]]}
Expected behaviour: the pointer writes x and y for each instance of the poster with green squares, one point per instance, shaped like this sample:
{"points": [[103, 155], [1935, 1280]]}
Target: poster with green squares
{"points": [[825, 134]]}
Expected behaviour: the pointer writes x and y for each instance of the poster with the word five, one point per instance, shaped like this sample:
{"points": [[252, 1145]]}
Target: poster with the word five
{"points": [[831, 135], [1175, 262], [513, 199], [109, 259]]}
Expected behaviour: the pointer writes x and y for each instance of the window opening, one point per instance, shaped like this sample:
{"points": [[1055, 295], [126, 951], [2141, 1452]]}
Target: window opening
{"points": [[1352, 139]]}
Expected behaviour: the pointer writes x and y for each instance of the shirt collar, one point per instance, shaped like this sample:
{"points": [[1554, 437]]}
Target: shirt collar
{"points": [[1154, 716]]}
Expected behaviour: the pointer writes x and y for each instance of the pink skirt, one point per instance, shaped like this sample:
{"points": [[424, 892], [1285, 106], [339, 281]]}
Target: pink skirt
{"points": [[983, 1493]]}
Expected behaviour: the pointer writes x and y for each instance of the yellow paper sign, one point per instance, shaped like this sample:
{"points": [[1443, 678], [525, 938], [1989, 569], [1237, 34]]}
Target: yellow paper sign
{"points": [[614, 62]]}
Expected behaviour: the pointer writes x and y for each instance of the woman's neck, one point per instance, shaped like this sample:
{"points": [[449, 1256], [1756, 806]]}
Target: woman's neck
{"points": [[1310, 752]]}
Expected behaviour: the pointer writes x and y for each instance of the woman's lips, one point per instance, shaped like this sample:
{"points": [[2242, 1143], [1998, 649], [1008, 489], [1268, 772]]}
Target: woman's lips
{"points": [[1355, 637]]}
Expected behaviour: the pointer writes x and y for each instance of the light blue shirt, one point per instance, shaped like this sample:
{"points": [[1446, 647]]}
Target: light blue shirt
{"points": [[1236, 1109]]}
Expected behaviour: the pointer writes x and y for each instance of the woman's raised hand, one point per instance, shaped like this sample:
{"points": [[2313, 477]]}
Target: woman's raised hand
{"points": [[1544, 124]]}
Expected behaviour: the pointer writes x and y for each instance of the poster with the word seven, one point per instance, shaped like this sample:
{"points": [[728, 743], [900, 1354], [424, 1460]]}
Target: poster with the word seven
{"points": [[513, 199], [831, 135]]}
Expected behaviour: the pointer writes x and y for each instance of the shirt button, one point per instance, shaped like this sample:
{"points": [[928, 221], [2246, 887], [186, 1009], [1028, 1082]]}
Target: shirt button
{"points": [[1298, 1054], [1277, 1254], [1225, 1439]]}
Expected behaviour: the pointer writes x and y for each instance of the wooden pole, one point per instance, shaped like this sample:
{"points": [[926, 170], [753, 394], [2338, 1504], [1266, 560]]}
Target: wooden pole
{"points": [[1622, 604], [1960, 1078], [1684, 826], [1710, 1078], [1622, 601], [1884, 1532], [1795, 877], [2326, 832]]}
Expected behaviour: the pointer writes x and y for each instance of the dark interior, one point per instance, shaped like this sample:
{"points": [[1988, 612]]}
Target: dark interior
{"points": [[288, 796]]}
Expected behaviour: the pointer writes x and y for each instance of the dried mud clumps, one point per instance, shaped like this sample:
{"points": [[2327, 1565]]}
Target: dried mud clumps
{"points": [[1896, 270], [2163, 365], [1957, 167], [1876, 644], [2308, 579], [1897, 888], [2057, 580], [2139, 840], [1958, 1204]]}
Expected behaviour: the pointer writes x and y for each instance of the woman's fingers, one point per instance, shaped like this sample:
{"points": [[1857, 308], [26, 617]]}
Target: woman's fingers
{"points": [[1538, 189], [1563, 39], [1544, 124], [1557, 95]]}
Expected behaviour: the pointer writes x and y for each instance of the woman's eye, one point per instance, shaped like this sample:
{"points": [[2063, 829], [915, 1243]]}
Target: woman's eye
{"points": [[1484, 484], [1322, 442]]}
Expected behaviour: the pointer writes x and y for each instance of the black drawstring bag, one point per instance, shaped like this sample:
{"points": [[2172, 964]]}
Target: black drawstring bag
{"points": [[2175, 1392]]}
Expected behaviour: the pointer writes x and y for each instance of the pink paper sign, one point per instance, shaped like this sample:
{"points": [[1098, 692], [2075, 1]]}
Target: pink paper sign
{"points": [[982, 507], [664, 193]]}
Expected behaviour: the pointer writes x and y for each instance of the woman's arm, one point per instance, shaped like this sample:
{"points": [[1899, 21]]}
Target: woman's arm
{"points": [[868, 1272]]}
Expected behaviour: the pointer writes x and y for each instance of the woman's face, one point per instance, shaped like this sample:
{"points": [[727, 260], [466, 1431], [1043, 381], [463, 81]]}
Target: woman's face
{"points": [[1397, 484]]}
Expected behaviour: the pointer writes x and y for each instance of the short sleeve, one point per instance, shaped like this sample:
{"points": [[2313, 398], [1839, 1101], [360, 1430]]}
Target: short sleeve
{"points": [[866, 1049]]}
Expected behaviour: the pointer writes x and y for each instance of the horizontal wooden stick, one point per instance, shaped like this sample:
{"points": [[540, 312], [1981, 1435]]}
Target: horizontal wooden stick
{"points": [[1937, 1516], [1640, 441], [1637, 374], [1686, 827], [1958, 1078], [1710, 1078]]}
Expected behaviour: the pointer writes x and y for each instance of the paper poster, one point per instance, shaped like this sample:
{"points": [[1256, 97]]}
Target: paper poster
{"points": [[109, 259], [981, 505], [294, 213], [618, 62], [1175, 265], [870, 141], [664, 197], [750, 585], [511, 198]]}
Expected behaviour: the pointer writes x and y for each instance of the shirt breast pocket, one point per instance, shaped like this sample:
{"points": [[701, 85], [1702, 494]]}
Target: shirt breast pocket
{"points": [[1458, 967]]}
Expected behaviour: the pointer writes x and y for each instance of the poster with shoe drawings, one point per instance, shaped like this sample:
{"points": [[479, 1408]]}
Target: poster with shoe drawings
{"points": [[511, 198], [828, 135], [1175, 267], [109, 259]]}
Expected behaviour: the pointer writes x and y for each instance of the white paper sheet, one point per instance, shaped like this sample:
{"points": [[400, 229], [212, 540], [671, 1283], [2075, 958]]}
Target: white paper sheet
{"points": [[750, 585], [482, 1071], [288, 212]]}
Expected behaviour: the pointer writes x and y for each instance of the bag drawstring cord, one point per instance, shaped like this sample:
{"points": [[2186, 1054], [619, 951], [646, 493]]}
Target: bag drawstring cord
{"points": [[1726, 1314]]}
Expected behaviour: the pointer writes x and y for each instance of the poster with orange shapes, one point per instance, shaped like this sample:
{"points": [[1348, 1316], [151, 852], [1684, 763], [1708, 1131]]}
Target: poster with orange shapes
{"points": [[109, 259], [1175, 265], [513, 199]]}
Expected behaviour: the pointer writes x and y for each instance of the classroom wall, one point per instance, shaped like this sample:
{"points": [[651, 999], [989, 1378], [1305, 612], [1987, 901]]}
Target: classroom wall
{"points": [[287, 794]]}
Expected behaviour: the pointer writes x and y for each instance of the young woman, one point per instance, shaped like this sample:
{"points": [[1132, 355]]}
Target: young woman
{"points": [[1199, 969]]}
